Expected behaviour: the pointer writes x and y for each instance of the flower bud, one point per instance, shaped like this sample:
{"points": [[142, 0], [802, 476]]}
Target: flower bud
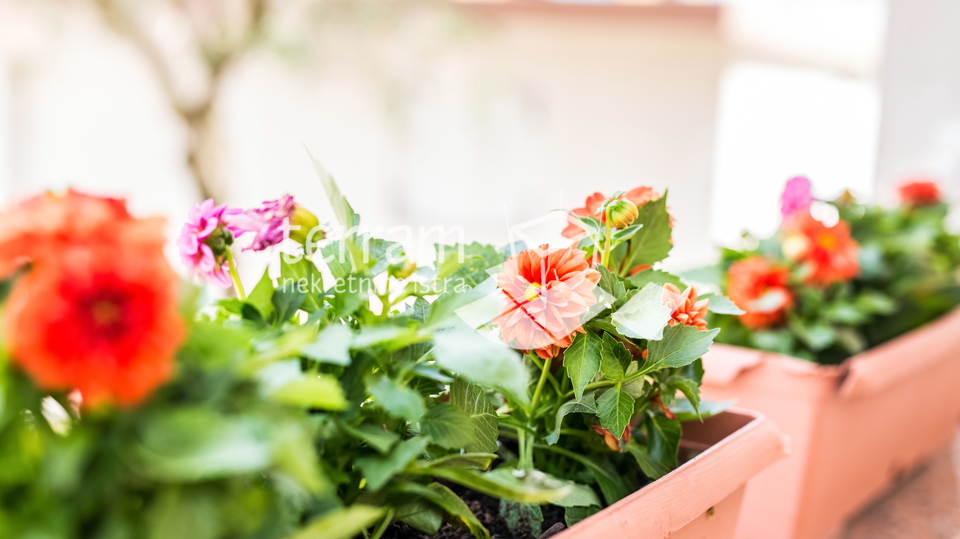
{"points": [[301, 217], [622, 213], [403, 269]]}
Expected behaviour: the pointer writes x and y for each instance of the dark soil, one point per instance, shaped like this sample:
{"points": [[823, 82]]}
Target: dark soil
{"points": [[487, 510]]}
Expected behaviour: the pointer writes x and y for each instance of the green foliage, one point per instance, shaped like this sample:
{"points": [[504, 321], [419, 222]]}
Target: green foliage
{"points": [[909, 263]]}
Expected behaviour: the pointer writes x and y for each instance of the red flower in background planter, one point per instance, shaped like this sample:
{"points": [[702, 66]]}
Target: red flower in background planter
{"points": [[548, 292], [826, 254], [759, 288], [686, 310], [97, 309], [920, 193]]}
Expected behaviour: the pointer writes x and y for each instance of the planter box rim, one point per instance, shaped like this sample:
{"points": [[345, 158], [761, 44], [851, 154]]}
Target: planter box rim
{"points": [[676, 499], [866, 373]]}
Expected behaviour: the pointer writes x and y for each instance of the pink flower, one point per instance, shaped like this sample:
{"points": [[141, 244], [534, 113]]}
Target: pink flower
{"points": [[548, 292], [275, 221], [266, 222], [204, 240], [796, 196]]}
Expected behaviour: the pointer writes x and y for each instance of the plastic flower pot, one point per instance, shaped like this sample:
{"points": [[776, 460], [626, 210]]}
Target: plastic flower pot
{"points": [[854, 428], [700, 499]]}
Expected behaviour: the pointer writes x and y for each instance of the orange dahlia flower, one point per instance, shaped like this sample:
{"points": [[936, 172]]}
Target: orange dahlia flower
{"points": [[760, 289], [920, 193], [548, 292], [685, 309], [591, 208], [97, 310], [827, 254]]}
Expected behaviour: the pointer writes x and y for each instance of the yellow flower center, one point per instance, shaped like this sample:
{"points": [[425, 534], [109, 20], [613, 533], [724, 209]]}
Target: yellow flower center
{"points": [[827, 241], [532, 292]]}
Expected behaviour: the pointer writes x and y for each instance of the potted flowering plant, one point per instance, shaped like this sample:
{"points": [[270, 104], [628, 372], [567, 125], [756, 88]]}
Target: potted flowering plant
{"points": [[446, 425], [831, 311], [351, 393]]}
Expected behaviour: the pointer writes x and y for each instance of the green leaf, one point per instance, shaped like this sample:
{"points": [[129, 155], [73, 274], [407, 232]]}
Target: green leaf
{"points": [[473, 400], [303, 271], [722, 304], [610, 483], [452, 504], [261, 296], [644, 315], [610, 283], [378, 470], [683, 410], [341, 523], [648, 465], [332, 345], [476, 461], [481, 361], [573, 515], [502, 483], [321, 391], [582, 361], [689, 388], [626, 233], [522, 519], [421, 514], [352, 294], [615, 408], [651, 243], [659, 277], [448, 426], [817, 336], [286, 301], [680, 346], [374, 436], [395, 399], [347, 218], [338, 259], [580, 496], [663, 439], [586, 405], [614, 357]]}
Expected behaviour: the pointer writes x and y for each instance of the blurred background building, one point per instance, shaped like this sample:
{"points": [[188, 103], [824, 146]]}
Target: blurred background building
{"points": [[480, 114]]}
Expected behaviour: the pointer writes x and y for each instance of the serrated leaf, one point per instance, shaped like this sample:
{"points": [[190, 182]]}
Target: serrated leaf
{"points": [[644, 315], [472, 399], [395, 399], [615, 408], [341, 523], [332, 345], [448, 426], [689, 388], [610, 283], [286, 301], [614, 357], [483, 362], [680, 346], [582, 361], [722, 304], [651, 243], [586, 405], [378, 470]]}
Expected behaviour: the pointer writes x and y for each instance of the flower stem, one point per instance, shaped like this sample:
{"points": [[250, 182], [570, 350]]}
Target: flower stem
{"points": [[544, 373], [383, 525], [235, 276], [606, 242]]}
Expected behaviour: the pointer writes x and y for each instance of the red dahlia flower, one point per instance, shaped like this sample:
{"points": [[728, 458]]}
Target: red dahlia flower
{"points": [[97, 310], [827, 254], [548, 292], [920, 193], [759, 288]]}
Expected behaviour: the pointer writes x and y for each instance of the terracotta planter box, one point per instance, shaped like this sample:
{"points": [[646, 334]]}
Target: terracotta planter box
{"points": [[700, 499], [854, 428]]}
